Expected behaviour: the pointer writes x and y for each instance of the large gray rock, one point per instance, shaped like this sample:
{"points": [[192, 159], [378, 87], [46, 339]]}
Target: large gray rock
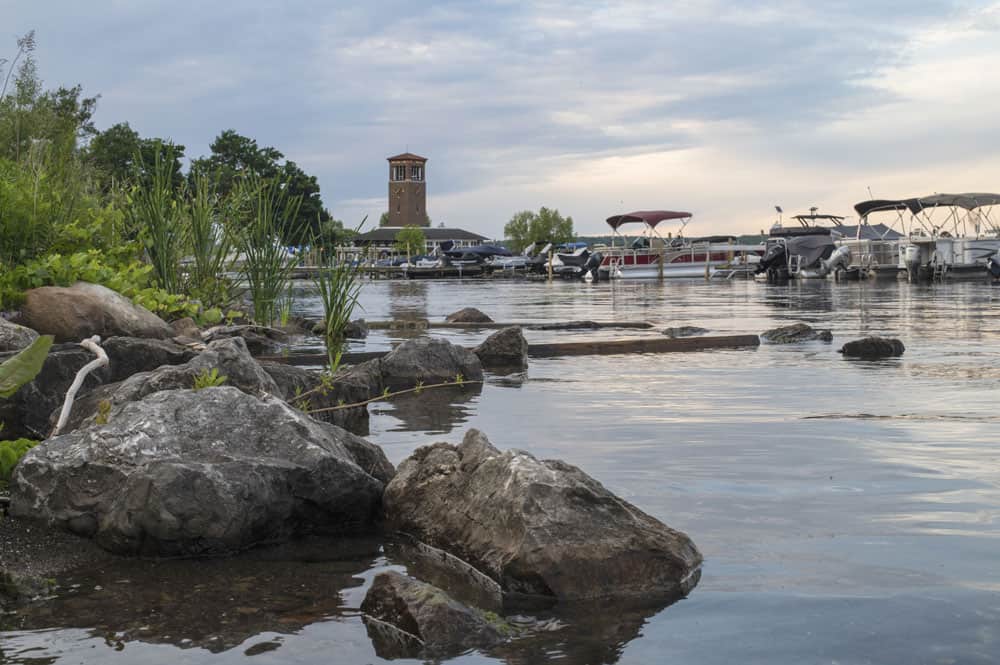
{"points": [[187, 472], [428, 360], [77, 312], [468, 315], [261, 340], [441, 625], [131, 355], [229, 356], [797, 332], [306, 390], [504, 349], [14, 337], [873, 348], [536, 527]]}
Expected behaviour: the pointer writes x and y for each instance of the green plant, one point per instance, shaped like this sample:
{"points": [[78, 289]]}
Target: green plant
{"points": [[266, 215], [157, 215], [339, 286], [103, 412], [11, 453], [211, 246], [209, 379], [24, 367]]}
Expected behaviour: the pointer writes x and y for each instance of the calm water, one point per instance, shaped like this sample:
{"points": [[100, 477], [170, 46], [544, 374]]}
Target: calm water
{"points": [[847, 511]]}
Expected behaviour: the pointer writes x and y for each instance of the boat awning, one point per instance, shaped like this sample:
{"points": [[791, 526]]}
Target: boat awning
{"points": [[969, 201], [650, 217], [865, 208]]}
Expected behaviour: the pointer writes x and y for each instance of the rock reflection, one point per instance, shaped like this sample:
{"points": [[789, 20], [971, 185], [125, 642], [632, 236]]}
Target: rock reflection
{"points": [[434, 411], [408, 302], [214, 604]]}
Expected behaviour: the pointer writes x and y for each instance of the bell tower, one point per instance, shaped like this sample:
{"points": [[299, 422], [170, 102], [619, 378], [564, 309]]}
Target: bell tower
{"points": [[407, 191]]}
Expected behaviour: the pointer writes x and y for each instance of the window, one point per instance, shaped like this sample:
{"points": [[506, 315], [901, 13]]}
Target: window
{"points": [[416, 173], [398, 172]]}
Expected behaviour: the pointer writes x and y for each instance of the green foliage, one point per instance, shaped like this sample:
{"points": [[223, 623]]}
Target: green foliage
{"points": [[210, 244], [24, 367], [156, 212], [103, 412], [209, 379], [266, 210], [339, 285], [547, 225], [119, 155], [11, 452], [410, 240]]}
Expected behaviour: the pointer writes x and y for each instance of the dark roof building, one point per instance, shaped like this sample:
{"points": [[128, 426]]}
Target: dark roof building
{"points": [[384, 237]]}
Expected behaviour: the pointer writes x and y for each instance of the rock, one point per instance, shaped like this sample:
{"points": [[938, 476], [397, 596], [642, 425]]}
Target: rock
{"points": [[872, 348], [506, 348], [186, 472], [229, 356], [798, 332], [444, 626], [357, 329], [14, 337], [74, 313], [261, 340], [468, 315], [541, 528], [131, 355], [428, 360], [186, 327], [684, 331], [294, 382]]}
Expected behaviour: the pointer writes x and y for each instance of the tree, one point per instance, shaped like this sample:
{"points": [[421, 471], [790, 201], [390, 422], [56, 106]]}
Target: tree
{"points": [[411, 240], [384, 219], [547, 225], [119, 154]]}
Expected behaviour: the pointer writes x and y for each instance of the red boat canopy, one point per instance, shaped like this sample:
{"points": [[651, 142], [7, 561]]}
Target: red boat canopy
{"points": [[651, 217]]}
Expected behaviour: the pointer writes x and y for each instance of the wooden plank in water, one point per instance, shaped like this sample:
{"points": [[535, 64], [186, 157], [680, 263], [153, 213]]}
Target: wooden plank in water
{"points": [[564, 325], [588, 348]]}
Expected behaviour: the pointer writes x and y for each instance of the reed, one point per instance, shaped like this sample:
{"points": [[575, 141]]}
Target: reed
{"points": [[339, 286], [211, 245], [158, 216]]}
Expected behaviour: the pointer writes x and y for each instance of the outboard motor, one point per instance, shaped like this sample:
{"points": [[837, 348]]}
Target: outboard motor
{"points": [[993, 266], [841, 258], [592, 268], [773, 257]]}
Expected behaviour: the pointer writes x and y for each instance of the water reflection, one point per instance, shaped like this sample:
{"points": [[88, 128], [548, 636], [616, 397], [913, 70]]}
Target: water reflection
{"points": [[407, 302], [434, 411]]}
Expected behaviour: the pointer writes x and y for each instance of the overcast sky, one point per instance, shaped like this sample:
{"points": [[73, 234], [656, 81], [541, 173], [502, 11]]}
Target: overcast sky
{"points": [[720, 108]]}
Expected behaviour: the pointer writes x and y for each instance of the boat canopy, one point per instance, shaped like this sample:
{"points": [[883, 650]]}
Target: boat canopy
{"points": [[806, 219], [479, 250], [649, 217], [968, 201]]}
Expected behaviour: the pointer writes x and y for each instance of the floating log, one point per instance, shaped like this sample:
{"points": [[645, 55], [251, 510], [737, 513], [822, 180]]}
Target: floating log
{"points": [[588, 348], [404, 324]]}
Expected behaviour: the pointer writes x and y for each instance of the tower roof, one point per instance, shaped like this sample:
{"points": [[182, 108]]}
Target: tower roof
{"points": [[407, 156]]}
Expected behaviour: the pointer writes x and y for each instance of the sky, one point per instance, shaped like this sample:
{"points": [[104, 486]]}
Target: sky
{"points": [[724, 109]]}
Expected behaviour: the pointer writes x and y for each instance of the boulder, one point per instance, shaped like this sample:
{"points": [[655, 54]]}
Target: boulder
{"points": [[798, 332], [506, 348], [684, 331], [542, 528], [428, 360], [77, 312], [14, 337], [261, 340], [186, 328], [305, 390], [356, 329], [185, 472], [873, 348], [229, 356], [131, 355], [468, 315], [440, 625]]}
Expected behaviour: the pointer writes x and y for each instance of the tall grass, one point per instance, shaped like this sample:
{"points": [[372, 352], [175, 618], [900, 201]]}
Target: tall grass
{"points": [[339, 285], [266, 210], [211, 245], [157, 214]]}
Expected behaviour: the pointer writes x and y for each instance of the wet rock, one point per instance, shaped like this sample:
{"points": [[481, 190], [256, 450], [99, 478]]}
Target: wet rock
{"points": [[872, 348], [131, 355], [428, 360], [357, 329], [569, 325], [229, 357], [542, 528], [684, 331], [186, 472], [186, 327], [798, 332], [305, 390], [14, 337], [441, 625], [468, 315], [506, 348], [77, 312], [260, 340]]}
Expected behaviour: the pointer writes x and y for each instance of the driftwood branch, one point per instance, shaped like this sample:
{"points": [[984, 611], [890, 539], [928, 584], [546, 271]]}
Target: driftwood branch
{"points": [[93, 345], [384, 396]]}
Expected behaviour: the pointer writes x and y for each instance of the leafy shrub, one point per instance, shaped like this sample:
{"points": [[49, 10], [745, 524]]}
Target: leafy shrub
{"points": [[11, 453], [209, 379]]}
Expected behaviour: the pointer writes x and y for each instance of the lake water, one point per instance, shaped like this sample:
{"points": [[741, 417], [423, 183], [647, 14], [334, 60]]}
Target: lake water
{"points": [[847, 511]]}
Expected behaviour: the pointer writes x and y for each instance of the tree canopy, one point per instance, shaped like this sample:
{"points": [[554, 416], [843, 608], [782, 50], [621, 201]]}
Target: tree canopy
{"points": [[547, 225], [410, 240], [118, 153]]}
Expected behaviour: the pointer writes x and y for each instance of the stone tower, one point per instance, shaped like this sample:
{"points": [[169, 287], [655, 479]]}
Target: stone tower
{"points": [[407, 191]]}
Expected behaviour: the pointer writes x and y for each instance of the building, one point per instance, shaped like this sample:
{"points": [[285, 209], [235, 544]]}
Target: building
{"points": [[384, 237], [407, 191]]}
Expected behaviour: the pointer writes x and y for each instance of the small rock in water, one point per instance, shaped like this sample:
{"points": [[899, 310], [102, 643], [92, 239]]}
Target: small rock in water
{"points": [[506, 348], [468, 315], [684, 331], [798, 332], [871, 348]]}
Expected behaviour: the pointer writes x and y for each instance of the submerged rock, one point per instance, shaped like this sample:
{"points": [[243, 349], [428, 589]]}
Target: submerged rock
{"points": [[684, 331], [542, 528], [798, 332], [436, 624], [468, 315], [14, 337], [186, 472], [77, 312], [872, 348], [260, 340], [504, 349], [428, 360]]}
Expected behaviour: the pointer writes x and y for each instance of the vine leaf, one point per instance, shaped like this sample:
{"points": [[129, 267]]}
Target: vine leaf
{"points": [[24, 367]]}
